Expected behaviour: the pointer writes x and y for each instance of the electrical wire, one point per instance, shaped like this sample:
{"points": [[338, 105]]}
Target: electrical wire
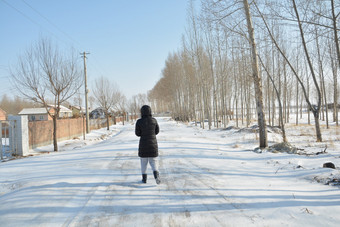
{"points": [[30, 19], [97, 69], [67, 35], [51, 23]]}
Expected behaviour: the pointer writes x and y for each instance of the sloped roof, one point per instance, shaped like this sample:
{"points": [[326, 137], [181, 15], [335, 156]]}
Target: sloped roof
{"points": [[63, 109], [78, 107], [27, 111]]}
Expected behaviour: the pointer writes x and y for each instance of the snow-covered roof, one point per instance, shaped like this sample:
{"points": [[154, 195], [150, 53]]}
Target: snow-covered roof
{"points": [[63, 109], [79, 107], [27, 111]]}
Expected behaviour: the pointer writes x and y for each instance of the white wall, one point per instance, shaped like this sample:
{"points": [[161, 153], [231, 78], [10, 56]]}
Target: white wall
{"points": [[19, 134]]}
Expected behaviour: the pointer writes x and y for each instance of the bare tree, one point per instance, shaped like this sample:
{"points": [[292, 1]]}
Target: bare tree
{"points": [[257, 79], [91, 101], [106, 94], [284, 137], [314, 108], [134, 106], [46, 76], [121, 105], [14, 105]]}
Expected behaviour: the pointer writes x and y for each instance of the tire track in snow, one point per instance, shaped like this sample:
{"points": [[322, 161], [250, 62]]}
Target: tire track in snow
{"points": [[226, 198], [122, 188], [184, 194], [168, 181], [79, 217]]}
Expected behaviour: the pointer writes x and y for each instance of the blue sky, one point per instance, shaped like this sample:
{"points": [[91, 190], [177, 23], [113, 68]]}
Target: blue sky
{"points": [[128, 40]]}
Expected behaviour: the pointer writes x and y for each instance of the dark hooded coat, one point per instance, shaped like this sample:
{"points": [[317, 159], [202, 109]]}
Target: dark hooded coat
{"points": [[147, 128]]}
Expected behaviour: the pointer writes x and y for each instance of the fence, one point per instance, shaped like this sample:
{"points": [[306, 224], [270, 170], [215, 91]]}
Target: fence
{"points": [[17, 135], [41, 132], [4, 142]]}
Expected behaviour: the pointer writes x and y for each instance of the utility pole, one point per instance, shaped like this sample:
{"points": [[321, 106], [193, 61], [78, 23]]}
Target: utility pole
{"points": [[86, 92]]}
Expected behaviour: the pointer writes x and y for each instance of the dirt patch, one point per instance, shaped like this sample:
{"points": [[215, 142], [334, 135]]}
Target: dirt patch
{"points": [[255, 129]]}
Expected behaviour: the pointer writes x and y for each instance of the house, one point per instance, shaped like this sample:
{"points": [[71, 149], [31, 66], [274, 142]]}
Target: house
{"points": [[77, 110], [2, 115], [64, 111], [41, 114], [36, 114]]}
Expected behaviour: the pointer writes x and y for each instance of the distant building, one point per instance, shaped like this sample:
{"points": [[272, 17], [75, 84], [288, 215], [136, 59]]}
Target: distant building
{"points": [[41, 114], [36, 114], [64, 111], [3, 115], [77, 110]]}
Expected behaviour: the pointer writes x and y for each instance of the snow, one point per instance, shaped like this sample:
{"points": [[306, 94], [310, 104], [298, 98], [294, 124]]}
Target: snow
{"points": [[209, 178]]}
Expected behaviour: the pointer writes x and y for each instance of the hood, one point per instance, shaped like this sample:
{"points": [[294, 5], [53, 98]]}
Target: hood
{"points": [[145, 110]]}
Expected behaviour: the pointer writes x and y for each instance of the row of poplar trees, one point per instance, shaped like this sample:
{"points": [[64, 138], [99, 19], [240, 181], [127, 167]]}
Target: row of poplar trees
{"points": [[265, 59]]}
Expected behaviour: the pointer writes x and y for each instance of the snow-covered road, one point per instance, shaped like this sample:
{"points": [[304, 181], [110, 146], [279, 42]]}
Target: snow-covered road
{"points": [[209, 178]]}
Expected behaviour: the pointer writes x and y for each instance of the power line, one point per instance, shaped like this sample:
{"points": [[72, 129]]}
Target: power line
{"points": [[27, 17], [41, 15], [99, 70], [33, 21]]}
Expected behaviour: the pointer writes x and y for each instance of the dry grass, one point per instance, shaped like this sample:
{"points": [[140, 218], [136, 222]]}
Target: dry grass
{"points": [[236, 146]]}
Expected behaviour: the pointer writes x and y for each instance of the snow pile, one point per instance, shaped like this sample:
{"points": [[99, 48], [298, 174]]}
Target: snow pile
{"points": [[283, 147]]}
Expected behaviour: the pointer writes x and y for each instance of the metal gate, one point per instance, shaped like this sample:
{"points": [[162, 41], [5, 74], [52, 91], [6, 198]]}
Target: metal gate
{"points": [[8, 139]]}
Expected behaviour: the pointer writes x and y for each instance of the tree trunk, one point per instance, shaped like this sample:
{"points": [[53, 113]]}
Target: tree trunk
{"points": [[55, 140], [335, 88], [322, 80], [336, 40], [297, 103], [284, 137], [124, 116], [268, 100], [107, 120], [316, 110], [285, 94], [317, 126], [257, 80]]}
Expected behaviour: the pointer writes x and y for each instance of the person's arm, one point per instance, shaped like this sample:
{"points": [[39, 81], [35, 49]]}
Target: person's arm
{"points": [[157, 128], [137, 130]]}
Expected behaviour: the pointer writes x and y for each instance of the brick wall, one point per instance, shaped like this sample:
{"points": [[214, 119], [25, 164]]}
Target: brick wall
{"points": [[2, 115], [41, 132]]}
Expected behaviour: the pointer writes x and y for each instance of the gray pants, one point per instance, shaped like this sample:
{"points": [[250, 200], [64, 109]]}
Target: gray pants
{"points": [[144, 164]]}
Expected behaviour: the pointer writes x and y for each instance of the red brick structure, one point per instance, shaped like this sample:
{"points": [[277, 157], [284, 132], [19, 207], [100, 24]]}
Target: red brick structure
{"points": [[3, 115]]}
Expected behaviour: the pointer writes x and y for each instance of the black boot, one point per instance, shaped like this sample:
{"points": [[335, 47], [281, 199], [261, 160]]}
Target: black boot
{"points": [[156, 175], [144, 178]]}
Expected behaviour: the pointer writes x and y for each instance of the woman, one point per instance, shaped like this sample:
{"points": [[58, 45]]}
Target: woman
{"points": [[147, 128]]}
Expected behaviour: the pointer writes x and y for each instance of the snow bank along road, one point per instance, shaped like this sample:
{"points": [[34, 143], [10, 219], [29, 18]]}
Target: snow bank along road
{"points": [[210, 178]]}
